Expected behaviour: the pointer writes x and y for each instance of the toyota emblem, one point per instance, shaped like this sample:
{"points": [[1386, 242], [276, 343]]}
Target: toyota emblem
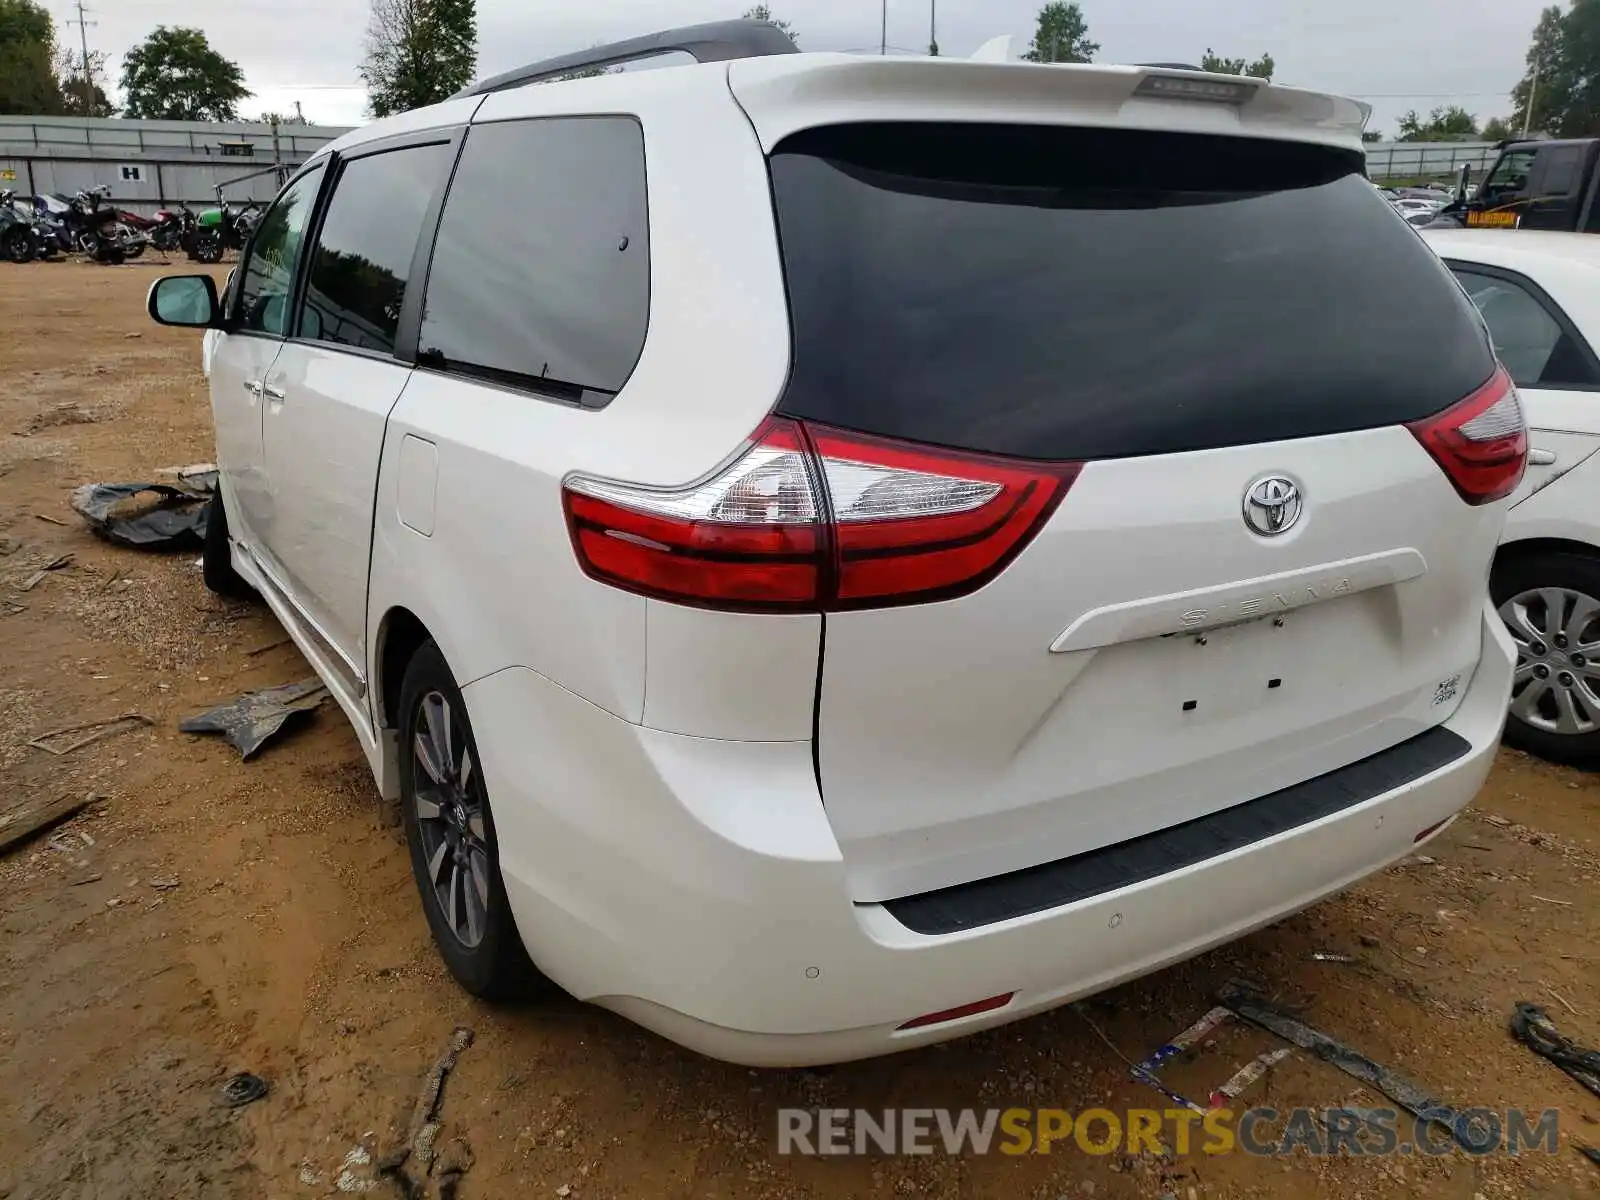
{"points": [[1272, 505]]}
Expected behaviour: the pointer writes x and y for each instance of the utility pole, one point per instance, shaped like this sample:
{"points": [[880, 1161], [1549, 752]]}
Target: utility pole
{"points": [[1533, 94], [299, 117], [83, 40], [883, 43], [933, 28]]}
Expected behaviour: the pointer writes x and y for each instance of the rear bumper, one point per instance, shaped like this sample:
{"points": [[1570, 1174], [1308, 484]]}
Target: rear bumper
{"points": [[694, 885]]}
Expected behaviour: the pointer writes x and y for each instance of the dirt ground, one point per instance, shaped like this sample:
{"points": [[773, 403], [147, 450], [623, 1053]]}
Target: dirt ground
{"points": [[293, 945]]}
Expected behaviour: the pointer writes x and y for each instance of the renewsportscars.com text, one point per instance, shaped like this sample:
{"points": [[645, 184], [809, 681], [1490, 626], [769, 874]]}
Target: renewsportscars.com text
{"points": [[1100, 1131]]}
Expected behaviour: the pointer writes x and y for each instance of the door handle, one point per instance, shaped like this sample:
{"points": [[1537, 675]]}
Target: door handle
{"points": [[253, 386], [273, 393], [1541, 458]]}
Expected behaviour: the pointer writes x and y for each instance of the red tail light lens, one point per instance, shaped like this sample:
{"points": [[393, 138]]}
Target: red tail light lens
{"points": [[747, 538], [915, 524], [1482, 442], [814, 519]]}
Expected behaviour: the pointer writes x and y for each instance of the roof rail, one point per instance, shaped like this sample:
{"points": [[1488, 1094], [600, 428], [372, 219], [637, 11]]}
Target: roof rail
{"points": [[715, 41]]}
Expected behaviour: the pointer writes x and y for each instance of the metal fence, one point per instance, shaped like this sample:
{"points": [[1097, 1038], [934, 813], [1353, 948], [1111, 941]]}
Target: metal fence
{"points": [[1427, 160], [150, 164]]}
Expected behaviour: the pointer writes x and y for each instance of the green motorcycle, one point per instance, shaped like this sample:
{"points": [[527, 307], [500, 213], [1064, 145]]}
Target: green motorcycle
{"points": [[218, 230]]}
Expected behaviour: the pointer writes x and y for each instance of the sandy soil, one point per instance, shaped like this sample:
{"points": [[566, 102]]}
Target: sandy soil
{"points": [[293, 945]]}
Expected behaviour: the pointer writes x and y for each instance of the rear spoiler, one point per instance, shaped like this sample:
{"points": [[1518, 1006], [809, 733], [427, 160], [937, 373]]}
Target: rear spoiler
{"points": [[787, 93]]}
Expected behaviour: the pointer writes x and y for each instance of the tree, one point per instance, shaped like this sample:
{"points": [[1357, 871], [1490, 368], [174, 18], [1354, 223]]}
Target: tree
{"points": [[1562, 82], [1497, 129], [1260, 69], [760, 12], [175, 75], [28, 84], [1451, 123], [1546, 59], [418, 52], [69, 67], [1062, 36]]}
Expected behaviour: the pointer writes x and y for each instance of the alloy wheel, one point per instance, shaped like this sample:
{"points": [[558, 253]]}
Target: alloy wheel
{"points": [[449, 802], [1556, 687]]}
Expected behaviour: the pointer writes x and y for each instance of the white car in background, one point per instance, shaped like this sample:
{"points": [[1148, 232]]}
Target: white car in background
{"points": [[1539, 294]]}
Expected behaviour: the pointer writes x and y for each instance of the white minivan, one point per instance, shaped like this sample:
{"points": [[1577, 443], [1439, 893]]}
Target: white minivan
{"points": [[834, 553]]}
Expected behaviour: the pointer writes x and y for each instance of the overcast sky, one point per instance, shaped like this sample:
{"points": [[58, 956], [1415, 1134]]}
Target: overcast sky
{"points": [[1395, 54]]}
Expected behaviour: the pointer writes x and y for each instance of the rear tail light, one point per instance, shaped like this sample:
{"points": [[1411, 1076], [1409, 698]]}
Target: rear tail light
{"points": [[1482, 442], [810, 519]]}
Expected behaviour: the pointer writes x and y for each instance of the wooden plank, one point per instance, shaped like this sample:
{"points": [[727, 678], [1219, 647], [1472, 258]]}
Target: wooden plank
{"points": [[20, 824]]}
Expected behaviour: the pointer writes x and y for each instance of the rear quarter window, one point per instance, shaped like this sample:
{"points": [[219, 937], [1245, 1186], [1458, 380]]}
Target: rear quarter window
{"points": [[1072, 294], [541, 272]]}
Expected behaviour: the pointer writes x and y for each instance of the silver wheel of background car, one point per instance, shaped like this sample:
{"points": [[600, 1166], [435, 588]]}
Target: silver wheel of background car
{"points": [[1556, 687], [449, 809]]}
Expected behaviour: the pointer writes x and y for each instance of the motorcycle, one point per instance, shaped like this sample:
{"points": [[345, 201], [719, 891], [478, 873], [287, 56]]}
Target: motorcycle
{"points": [[22, 239], [171, 230], [96, 229], [222, 229]]}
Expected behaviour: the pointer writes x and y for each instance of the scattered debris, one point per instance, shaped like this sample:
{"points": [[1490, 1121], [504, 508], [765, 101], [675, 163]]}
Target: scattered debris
{"points": [[197, 477], [1326, 956], [1497, 821], [168, 518], [9, 546], [1535, 1030], [1145, 1072], [1468, 1132], [103, 728], [251, 721], [349, 1181], [1246, 1075], [83, 879], [55, 564], [419, 1147], [11, 608], [1565, 1003], [164, 883], [61, 414], [48, 520], [269, 646], [23, 822], [1592, 1154], [1547, 900], [241, 1089]]}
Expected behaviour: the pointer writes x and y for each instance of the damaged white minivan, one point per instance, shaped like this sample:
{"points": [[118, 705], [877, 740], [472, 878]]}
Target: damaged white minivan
{"points": [[835, 553]]}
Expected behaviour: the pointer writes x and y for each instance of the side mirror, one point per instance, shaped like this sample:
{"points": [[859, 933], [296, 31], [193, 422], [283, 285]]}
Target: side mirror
{"points": [[189, 301], [1463, 183]]}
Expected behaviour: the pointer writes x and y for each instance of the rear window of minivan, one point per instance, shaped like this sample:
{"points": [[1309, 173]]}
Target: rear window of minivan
{"points": [[1062, 293]]}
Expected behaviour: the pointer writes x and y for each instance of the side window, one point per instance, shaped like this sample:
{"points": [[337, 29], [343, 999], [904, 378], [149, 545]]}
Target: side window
{"points": [[356, 281], [1557, 174], [1527, 337], [267, 275], [541, 272]]}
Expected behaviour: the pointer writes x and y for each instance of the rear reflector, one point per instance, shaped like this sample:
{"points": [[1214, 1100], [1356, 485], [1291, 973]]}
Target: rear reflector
{"points": [[955, 1014], [812, 519], [1431, 830], [1482, 442]]}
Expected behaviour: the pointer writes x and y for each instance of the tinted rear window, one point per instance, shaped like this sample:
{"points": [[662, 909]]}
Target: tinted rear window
{"points": [[1075, 294]]}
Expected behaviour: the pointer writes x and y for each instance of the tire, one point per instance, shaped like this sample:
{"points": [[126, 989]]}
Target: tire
{"points": [[216, 560], [452, 826], [1555, 699], [207, 247], [17, 245]]}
